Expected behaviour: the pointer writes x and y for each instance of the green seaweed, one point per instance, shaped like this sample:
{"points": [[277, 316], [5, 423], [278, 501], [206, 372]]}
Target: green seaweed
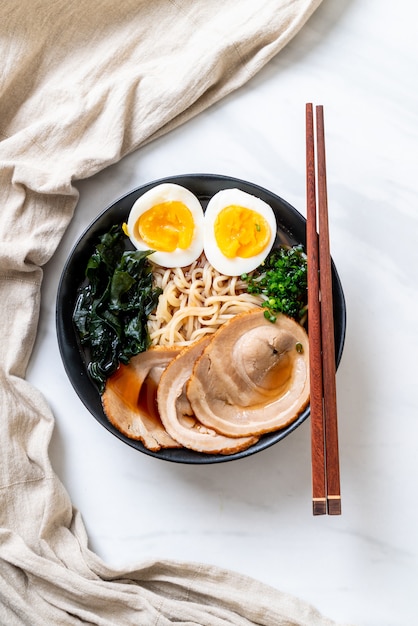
{"points": [[113, 305]]}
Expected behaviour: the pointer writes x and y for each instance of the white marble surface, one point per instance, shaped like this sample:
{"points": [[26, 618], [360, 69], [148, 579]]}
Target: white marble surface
{"points": [[359, 59]]}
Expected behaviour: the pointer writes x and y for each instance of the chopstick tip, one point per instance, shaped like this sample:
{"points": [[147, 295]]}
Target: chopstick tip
{"points": [[319, 506], [334, 505]]}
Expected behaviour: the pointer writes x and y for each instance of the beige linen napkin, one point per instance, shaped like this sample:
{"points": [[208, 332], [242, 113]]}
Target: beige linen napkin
{"points": [[82, 84]]}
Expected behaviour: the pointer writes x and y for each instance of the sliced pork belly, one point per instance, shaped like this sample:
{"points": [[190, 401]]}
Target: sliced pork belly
{"points": [[129, 398], [252, 377], [177, 415]]}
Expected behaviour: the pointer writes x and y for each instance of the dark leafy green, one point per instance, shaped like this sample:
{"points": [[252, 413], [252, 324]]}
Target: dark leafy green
{"points": [[112, 308], [282, 279]]}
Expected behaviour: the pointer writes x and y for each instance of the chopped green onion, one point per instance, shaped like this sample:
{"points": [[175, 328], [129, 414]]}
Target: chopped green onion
{"points": [[270, 317], [282, 279]]}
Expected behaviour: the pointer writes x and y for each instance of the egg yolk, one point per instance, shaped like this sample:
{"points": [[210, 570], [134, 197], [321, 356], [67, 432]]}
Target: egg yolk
{"points": [[241, 232], [166, 226]]}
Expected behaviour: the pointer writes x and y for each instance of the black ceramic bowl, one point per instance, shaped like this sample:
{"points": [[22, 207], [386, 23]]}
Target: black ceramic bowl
{"points": [[291, 229]]}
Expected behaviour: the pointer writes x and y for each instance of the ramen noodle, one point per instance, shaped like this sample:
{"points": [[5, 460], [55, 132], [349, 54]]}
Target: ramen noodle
{"points": [[194, 302]]}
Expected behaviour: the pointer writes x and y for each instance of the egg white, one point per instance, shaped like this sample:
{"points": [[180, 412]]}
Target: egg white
{"points": [[164, 193], [238, 265]]}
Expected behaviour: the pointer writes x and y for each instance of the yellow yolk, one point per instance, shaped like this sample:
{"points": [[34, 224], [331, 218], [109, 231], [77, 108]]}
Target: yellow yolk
{"points": [[166, 226], [241, 232]]}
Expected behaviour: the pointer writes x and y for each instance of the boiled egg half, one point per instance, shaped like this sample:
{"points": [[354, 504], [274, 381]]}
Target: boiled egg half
{"points": [[240, 230], [168, 218]]}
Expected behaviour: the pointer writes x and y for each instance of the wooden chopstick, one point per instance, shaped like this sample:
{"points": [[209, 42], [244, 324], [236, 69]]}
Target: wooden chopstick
{"points": [[326, 493], [319, 502]]}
